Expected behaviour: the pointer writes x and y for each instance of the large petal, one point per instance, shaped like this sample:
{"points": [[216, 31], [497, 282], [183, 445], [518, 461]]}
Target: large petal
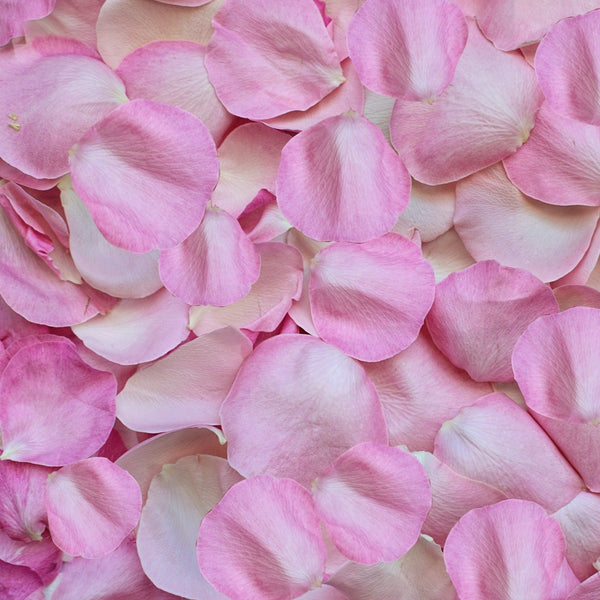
{"points": [[144, 181], [276, 427], [269, 57], [54, 408], [328, 170], [407, 48], [274, 546]]}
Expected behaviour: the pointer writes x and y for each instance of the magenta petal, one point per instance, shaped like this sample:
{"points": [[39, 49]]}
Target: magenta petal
{"points": [[323, 181], [92, 506], [145, 184], [265, 413], [373, 500], [274, 546], [507, 551], [217, 264], [55, 409], [269, 57], [370, 300], [17, 582], [407, 49], [178, 499], [14, 14], [479, 313]]}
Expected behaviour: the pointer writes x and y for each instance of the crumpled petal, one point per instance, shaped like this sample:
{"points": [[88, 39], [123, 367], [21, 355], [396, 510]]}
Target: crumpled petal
{"points": [[92, 506], [54, 408], [328, 170], [145, 184], [274, 546], [285, 430], [269, 57], [407, 48]]}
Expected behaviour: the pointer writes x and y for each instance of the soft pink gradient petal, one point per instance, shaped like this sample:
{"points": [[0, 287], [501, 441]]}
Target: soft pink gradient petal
{"points": [[327, 172], [185, 2], [483, 117], [496, 442], [511, 23], [145, 185], [273, 546], [178, 499], [124, 25], [370, 300], [17, 582], [564, 582], [137, 330], [51, 94], [419, 390], [407, 48], [373, 501], [262, 220], [447, 254], [507, 551], [479, 313], [269, 57], [497, 221], [242, 173], [217, 264], [55, 409], [173, 73], [419, 575], [559, 162], [115, 271], [145, 460], [587, 590], [116, 576], [92, 506], [14, 14], [269, 299], [275, 427], [185, 388]]}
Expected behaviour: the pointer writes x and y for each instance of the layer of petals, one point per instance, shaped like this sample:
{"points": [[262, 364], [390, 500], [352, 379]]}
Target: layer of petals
{"points": [[14, 14]]}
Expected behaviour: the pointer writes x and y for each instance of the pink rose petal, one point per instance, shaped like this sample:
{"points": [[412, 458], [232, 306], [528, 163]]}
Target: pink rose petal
{"points": [[587, 590], [274, 546], [92, 506], [16, 582], [266, 415], [54, 408], [14, 14], [447, 254]]}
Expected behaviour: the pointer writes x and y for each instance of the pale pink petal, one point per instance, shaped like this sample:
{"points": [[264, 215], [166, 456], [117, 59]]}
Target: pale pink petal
{"points": [[378, 109], [178, 499], [370, 300], [269, 57], [115, 271], [510, 24], [92, 506], [452, 496], [55, 409], [185, 2], [243, 173], [14, 326], [22, 509], [564, 582], [373, 500], [217, 264], [407, 48], [569, 296], [116, 576], [16, 582], [479, 313], [262, 220], [12, 174], [14, 14], [155, 195], [483, 117], [496, 221], [559, 162], [419, 575], [124, 25], [137, 330], [580, 523], [51, 94], [507, 551], [155, 401], [325, 592], [269, 299], [173, 73], [145, 460], [587, 590], [447, 254], [341, 13], [419, 390], [266, 416], [274, 546], [350, 95], [587, 272], [324, 179], [495, 441]]}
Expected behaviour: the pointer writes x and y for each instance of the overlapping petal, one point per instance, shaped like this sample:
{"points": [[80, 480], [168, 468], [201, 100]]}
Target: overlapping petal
{"points": [[14, 14]]}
